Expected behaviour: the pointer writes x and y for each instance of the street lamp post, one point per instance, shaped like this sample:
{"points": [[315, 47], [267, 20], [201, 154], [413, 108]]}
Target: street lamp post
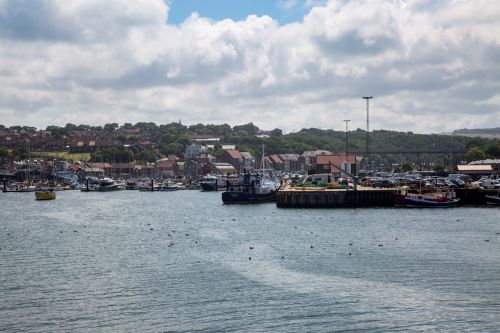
{"points": [[346, 136], [368, 130]]}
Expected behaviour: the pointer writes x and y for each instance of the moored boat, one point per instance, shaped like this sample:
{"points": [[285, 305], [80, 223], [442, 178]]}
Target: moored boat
{"points": [[108, 185], [260, 191], [211, 182], [158, 187], [27, 188], [252, 188], [45, 194], [430, 200]]}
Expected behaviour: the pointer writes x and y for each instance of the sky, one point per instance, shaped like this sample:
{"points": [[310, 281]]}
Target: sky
{"points": [[432, 66]]}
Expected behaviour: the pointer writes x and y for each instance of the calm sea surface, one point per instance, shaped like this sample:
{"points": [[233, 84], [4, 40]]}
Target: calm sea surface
{"points": [[183, 262]]}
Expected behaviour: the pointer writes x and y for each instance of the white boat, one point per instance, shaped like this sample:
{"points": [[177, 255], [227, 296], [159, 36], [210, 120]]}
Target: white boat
{"points": [[29, 188], [211, 182], [158, 187], [108, 185]]}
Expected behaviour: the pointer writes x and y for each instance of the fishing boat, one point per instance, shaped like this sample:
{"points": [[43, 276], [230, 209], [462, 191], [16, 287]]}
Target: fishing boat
{"points": [[429, 200], [108, 185], [211, 182], [252, 188], [45, 194]]}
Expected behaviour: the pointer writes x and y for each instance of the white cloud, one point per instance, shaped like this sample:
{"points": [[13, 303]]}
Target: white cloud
{"points": [[287, 4], [432, 65]]}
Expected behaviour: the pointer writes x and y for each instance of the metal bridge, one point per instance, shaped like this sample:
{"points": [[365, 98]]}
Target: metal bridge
{"points": [[416, 152]]}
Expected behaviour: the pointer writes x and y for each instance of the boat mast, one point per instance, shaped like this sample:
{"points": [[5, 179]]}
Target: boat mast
{"points": [[263, 161]]}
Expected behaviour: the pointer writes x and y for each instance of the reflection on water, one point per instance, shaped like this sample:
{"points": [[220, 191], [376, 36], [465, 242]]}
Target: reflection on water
{"points": [[183, 262]]}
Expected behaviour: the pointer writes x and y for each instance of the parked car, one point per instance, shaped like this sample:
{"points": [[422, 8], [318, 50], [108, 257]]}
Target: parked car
{"points": [[383, 182], [489, 183]]}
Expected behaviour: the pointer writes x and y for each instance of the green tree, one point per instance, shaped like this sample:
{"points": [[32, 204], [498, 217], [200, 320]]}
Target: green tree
{"points": [[438, 168], [172, 148], [183, 140], [148, 156], [493, 150], [4, 152], [111, 127], [83, 127], [56, 131], [217, 151], [113, 154], [122, 138], [475, 154], [406, 167], [276, 132], [29, 129], [70, 127], [249, 129]]}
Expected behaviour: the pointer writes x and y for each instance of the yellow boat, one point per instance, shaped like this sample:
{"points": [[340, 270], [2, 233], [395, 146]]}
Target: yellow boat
{"points": [[47, 194]]}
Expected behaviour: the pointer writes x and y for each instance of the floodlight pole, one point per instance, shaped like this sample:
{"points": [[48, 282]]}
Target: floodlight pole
{"points": [[368, 131], [346, 136]]}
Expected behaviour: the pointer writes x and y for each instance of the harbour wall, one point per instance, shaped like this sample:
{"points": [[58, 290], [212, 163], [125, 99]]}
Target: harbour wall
{"points": [[335, 199], [363, 198]]}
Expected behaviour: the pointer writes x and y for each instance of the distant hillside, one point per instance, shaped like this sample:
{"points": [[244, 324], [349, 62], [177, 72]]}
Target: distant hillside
{"points": [[481, 132], [148, 141]]}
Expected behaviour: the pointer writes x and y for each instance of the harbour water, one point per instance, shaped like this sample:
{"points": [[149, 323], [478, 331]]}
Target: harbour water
{"points": [[182, 262]]}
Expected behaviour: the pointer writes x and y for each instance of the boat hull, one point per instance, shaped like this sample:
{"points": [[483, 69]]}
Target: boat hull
{"points": [[110, 188], [45, 196], [422, 202], [430, 204], [233, 197], [206, 187]]}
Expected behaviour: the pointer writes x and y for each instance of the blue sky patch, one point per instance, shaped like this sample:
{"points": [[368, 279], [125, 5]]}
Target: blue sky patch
{"points": [[284, 11]]}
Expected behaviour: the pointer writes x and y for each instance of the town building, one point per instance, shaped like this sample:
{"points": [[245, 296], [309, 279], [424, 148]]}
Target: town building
{"points": [[308, 157], [233, 157], [332, 163]]}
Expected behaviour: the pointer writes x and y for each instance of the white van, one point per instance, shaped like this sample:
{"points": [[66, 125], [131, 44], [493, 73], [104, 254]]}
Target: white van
{"points": [[320, 179]]}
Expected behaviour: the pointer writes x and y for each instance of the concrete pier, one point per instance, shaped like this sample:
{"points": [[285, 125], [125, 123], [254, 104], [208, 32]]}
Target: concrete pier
{"points": [[335, 198], [288, 198]]}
